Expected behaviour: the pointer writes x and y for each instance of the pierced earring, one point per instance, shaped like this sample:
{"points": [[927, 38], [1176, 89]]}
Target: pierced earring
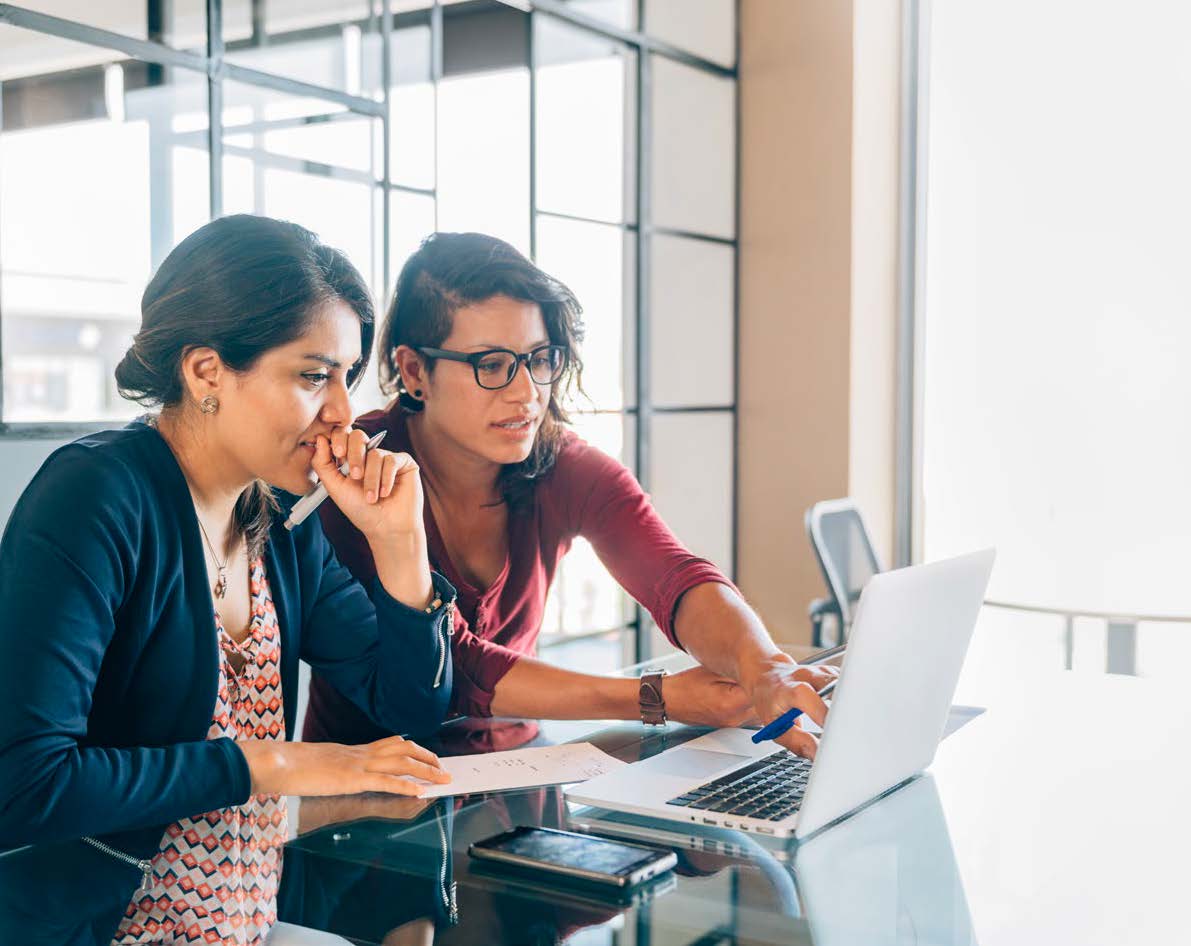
{"points": [[418, 393], [209, 404]]}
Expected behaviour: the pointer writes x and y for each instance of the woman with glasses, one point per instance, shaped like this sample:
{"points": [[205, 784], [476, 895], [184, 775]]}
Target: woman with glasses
{"points": [[481, 349]]}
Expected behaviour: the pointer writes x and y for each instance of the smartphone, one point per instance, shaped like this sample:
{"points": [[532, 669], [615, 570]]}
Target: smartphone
{"points": [[574, 856]]}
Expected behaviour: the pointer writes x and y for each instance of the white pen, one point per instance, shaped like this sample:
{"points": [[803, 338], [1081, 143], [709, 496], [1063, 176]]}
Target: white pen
{"points": [[312, 500]]}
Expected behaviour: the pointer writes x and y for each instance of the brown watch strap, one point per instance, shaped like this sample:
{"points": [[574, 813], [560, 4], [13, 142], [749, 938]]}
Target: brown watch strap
{"points": [[653, 704]]}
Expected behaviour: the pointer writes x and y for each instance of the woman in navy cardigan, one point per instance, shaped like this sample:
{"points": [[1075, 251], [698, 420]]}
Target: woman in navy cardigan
{"points": [[155, 606]]}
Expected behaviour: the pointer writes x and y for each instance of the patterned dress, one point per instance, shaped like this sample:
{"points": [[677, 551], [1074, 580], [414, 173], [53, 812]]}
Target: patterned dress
{"points": [[215, 876]]}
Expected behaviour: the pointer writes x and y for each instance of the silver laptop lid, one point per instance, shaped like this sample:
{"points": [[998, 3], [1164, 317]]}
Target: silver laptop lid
{"points": [[904, 655]]}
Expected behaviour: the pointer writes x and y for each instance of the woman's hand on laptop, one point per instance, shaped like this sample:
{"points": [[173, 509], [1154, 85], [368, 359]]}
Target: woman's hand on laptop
{"points": [[780, 685]]}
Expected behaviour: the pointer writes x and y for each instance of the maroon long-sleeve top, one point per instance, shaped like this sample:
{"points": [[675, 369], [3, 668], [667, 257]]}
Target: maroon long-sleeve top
{"points": [[588, 494]]}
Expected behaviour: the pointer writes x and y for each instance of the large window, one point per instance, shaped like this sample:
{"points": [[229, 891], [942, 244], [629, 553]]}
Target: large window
{"points": [[1057, 321], [598, 136]]}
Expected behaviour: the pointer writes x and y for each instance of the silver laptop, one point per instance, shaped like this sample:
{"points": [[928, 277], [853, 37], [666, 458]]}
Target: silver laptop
{"points": [[903, 660]]}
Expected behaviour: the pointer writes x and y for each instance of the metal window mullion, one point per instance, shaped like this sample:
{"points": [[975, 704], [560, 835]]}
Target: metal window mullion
{"points": [[692, 409], [580, 218], [607, 412], [410, 189], [904, 350], [260, 35], [142, 49], [266, 125], [2, 425], [300, 165], [50, 430], [911, 262], [215, 106], [386, 81], [644, 218], [288, 86], [735, 546], [436, 73], [693, 235], [367, 24], [533, 135]]}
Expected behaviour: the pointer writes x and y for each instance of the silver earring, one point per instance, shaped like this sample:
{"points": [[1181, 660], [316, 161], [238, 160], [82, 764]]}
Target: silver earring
{"points": [[209, 404]]}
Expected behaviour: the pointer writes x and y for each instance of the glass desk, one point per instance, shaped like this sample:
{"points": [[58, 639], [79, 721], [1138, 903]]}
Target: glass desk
{"points": [[1053, 818], [1056, 817]]}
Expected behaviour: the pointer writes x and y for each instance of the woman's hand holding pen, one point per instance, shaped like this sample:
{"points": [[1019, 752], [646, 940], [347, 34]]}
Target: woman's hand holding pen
{"points": [[327, 768], [382, 492], [381, 495], [780, 685]]}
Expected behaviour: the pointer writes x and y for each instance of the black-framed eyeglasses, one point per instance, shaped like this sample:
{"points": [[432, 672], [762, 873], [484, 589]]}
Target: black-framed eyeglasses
{"points": [[495, 368]]}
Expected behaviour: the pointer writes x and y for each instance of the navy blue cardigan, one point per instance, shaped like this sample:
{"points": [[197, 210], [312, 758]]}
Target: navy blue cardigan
{"points": [[108, 653]]}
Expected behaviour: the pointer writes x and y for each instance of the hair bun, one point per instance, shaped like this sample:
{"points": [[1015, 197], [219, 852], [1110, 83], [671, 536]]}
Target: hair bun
{"points": [[137, 380]]}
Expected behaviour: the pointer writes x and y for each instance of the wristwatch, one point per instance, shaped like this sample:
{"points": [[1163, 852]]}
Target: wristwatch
{"points": [[653, 704]]}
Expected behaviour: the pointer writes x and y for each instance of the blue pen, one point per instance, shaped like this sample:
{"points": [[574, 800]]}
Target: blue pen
{"points": [[782, 724]]}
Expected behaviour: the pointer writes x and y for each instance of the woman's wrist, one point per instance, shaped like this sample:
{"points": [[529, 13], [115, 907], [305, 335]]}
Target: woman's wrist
{"points": [[403, 567], [265, 764], [617, 698]]}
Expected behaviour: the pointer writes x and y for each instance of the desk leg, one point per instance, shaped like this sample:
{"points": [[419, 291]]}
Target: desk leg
{"points": [[1122, 647]]}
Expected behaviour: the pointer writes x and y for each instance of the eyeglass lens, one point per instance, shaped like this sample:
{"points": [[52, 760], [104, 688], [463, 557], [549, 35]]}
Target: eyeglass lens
{"points": [[495, 370]]}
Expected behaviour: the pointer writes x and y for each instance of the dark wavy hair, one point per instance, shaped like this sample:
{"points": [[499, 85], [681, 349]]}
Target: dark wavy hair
{"points": [[452, 270], [242, 285]]}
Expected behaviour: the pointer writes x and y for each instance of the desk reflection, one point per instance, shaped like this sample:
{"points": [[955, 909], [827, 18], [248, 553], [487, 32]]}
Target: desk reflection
{"points": [[886, 876]]}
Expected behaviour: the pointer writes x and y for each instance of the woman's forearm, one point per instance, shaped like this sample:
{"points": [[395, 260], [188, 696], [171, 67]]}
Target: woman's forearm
{"points": [[538, 690], [718, 628]]}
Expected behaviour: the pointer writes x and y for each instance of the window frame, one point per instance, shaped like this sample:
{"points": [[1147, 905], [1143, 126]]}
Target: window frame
{"points": [[216, 68]]}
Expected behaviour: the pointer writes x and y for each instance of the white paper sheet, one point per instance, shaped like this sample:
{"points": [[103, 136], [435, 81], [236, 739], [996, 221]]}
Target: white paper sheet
{"points": [[522, 768]]}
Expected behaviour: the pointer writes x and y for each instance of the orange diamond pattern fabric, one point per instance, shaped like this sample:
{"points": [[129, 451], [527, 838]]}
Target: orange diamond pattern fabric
{"points": [[215, 875]]}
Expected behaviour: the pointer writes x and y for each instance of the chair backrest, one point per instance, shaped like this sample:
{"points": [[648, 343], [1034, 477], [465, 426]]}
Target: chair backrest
{"points": [[844, 550]]}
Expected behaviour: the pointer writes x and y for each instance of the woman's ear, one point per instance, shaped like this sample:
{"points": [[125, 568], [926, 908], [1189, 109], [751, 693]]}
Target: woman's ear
{"points": [[411, 369], [203, 373]]}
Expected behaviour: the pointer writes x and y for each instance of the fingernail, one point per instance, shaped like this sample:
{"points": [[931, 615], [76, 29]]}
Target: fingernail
{"points": [[371, 495], [357, 473]]}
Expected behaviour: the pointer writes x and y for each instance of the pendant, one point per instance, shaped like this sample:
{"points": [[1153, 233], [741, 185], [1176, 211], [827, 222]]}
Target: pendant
{"points": [[221, 584]]}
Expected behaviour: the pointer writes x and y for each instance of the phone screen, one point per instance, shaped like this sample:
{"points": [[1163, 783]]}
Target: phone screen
{"points": [[568, 850]]}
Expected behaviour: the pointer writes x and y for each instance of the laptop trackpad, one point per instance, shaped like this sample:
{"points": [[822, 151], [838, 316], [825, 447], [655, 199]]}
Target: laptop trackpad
{"points": [[694, 763]]}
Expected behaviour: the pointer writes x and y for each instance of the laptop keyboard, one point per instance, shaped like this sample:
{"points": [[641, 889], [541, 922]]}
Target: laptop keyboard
{"points": [[769, 789]]}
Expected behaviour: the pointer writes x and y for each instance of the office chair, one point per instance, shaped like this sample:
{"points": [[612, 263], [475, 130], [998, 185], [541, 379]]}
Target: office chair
{"points": [[847, 559]]}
